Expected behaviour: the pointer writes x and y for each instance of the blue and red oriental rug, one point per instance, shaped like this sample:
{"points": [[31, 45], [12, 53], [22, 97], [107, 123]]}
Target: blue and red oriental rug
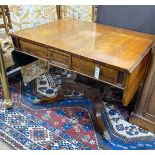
{"points": [[66, 124]]}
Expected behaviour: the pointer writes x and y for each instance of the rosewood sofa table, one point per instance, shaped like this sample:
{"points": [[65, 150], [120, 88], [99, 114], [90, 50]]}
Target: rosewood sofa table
{"points": [[115, 56]]}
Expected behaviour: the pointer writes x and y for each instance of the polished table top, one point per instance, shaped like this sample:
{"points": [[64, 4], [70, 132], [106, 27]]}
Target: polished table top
{"points": [[101, 43]]}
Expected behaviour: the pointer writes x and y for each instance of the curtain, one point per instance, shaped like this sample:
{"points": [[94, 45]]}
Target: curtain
{"points": [[26, 16], [81, 12]]}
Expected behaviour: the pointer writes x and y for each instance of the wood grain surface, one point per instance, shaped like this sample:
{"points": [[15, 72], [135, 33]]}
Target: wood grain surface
{"points": [[98, 42], [121, 55]]}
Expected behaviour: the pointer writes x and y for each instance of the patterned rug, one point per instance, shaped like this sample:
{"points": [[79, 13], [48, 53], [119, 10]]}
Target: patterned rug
{"points": [[66, 124]]}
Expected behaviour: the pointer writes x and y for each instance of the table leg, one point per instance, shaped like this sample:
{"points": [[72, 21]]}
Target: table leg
{"points": [[94, 95], [98, 106], [8, 102]]}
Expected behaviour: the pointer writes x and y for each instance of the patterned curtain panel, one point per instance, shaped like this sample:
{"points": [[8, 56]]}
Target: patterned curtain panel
{"points": [[81, 12], [26, 16]]}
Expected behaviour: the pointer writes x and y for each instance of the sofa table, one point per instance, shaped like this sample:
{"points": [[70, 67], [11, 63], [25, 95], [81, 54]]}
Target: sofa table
{"points": [[108, 54]]}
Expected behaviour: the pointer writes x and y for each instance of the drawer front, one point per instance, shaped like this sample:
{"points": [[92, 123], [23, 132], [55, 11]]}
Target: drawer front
{"points": [[35, 50], [88, 68], [108, 74], [60, 59], [83, 66]]}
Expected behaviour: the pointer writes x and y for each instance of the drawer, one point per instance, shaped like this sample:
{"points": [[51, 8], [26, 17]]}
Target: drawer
{"points": [[60, 59], [88, 68], [108, 74], [83, 66], [35, 50]]}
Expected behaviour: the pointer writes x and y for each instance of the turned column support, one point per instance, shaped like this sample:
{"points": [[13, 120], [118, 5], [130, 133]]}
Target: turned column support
{"points": [[8, 102], [94, 95]]}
